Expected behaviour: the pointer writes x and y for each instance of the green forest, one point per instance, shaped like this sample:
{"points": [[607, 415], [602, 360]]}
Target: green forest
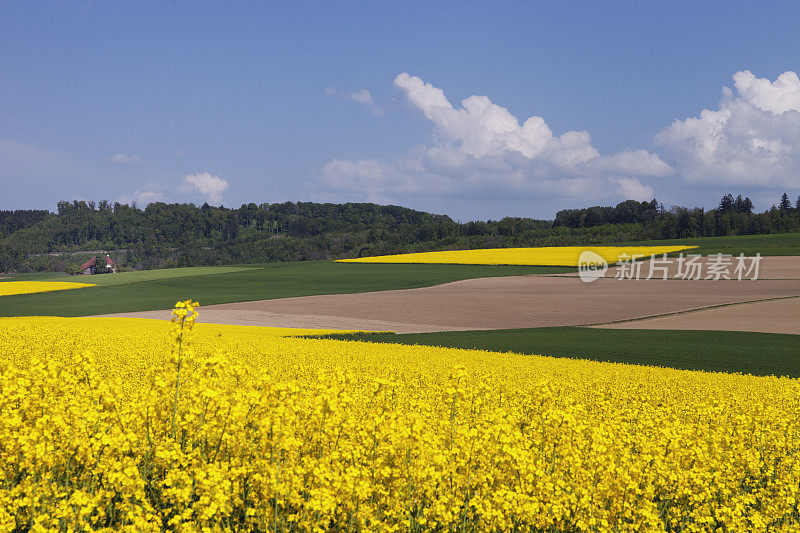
{"points": [[171, 235]]}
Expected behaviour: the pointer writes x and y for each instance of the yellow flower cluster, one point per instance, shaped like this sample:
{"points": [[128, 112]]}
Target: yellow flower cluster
{"points": [[7, 288], [99, 429], [545, 256]]}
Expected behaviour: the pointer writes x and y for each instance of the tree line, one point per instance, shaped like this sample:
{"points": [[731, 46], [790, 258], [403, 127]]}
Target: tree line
{"points": [[11, 221], [165, 235], [732, 216]]}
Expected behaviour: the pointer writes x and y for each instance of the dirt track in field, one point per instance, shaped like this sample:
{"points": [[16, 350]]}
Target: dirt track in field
{"points": [[493, 303], [772, 316]]}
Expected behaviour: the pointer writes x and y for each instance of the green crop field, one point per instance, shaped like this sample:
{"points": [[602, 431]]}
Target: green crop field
{"points": [[39, 276], [122, 278], [160, 289], [772, 244], [713, 351]]}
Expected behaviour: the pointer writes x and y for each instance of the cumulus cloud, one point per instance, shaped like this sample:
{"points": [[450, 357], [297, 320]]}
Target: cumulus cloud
{"points": [[633, 189], [776, 97], [151, 192], [482, 151], [211, 186], [147, 196], [752, 139], [363, 97], [125, 159]]}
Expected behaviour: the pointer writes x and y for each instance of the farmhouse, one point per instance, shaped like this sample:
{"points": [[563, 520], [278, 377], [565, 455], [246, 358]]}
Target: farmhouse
{"points": [[90, 266]]}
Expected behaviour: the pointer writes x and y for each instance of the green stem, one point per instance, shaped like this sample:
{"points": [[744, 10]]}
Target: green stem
{"points": [[177, 382]]}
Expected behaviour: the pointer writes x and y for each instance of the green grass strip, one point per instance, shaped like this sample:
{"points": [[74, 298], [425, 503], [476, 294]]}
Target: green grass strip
{"points": [[760, 354]]}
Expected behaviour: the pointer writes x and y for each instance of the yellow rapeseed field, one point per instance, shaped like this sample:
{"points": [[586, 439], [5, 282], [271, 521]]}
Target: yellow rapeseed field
{"points": [[8, 288], [545, 256], [143, 425]]}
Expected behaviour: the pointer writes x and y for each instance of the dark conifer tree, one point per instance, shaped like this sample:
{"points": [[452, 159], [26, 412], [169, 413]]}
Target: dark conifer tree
{"points": [[738, 204], [785, 204], [726, 203]]}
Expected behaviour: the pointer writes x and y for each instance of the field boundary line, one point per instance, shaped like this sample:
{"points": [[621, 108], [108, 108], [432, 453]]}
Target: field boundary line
{"points": [[687, 311], [169, 278]]}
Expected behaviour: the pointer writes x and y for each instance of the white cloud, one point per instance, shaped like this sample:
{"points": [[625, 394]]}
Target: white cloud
{"points": [[148, 197], [125, 159], [363, 97], [752, 139], [211, 186], [482, 151], [777, 97], [479, 127], [151, 192], [634, 190]]}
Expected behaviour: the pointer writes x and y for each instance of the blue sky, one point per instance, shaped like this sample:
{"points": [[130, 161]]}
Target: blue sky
{"points": [[265, 102]]}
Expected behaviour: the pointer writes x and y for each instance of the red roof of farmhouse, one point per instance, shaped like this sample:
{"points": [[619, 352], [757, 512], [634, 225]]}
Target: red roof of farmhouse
{"points": [[110, 262], [90, 263]]}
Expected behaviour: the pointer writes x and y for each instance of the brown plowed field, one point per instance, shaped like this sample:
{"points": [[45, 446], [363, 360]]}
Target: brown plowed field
{"points": [[493, 303], [772, 316]]}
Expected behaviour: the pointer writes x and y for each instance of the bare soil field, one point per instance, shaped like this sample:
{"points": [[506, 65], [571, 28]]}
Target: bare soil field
{"points": [[492, 303], [771, 267], [772, 316]]}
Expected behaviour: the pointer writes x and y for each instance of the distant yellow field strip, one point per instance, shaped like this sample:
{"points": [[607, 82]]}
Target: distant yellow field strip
{"points": [[546, 256], [7, 288]]}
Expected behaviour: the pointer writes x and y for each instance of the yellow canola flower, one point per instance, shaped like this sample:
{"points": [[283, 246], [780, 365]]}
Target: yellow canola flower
{"points": [[544, 256], [7, 288], [277, 433]]}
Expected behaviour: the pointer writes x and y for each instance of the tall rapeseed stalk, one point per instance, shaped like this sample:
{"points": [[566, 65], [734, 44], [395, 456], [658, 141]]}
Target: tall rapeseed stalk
{"points": [[183, 317]]}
